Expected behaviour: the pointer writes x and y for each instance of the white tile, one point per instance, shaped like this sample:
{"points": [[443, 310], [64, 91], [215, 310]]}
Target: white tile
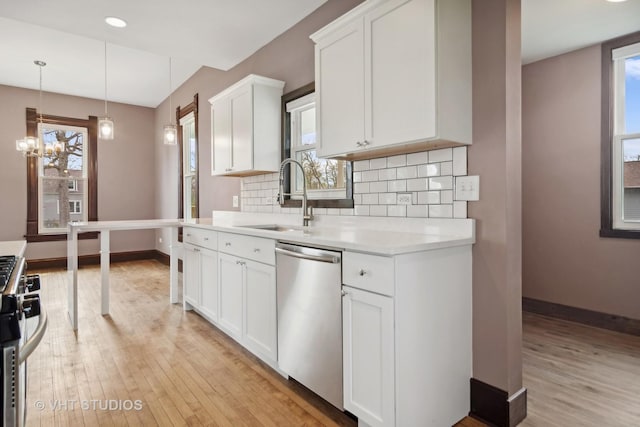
{"points": [[417, 184], [378, 210], [357, 199], [441, 183], [397, 161], [446, 168], [400, 185], [378, 187], [387, 198], [432, 169], [369, 176], [378, 163], [333, 211], [459, 209], [346, 212], [361, 165], [319, 211], [407, 172], [362, 210], [361, 187], [440, 211], [429, 197], [370, 199], [397, 210], [414, 198], [446, 196], [387, 174], [442, 155], [357, 177], [417, 158], [460, 161], [418, 211]]}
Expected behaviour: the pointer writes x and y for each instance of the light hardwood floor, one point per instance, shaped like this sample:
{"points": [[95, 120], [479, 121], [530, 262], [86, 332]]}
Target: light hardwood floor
{"points": [[186, 372], [182, 370]]}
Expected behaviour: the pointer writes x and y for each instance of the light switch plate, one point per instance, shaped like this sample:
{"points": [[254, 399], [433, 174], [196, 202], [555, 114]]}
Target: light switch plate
{"points": [[236, 201], [468, 188]]}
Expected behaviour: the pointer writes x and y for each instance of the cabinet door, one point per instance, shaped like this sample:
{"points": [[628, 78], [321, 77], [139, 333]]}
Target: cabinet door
{"points": [[368, 345], [209, 284], [191, 276], [260, 317], [340, 90], [400, 100], [221, 134], [242, 129], [230, 284]]}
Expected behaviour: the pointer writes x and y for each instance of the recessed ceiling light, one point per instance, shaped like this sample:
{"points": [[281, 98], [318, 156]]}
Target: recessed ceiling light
{"points": [[115, 22]]}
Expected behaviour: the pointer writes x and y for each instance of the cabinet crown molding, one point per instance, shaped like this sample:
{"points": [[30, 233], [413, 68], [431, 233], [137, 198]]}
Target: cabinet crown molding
{"points": [[251, 79], [354, 13]]}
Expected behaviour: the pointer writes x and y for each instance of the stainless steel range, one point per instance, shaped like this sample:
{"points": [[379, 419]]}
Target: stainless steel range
{"points": [[17, 305]]}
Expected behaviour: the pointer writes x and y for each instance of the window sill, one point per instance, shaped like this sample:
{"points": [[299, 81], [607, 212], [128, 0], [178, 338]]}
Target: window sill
{"points": [[619, 233]]}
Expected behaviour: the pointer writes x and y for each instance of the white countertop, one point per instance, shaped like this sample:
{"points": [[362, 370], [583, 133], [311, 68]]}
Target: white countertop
{"points": [[381, 236], [13, 247], [133, 224]]}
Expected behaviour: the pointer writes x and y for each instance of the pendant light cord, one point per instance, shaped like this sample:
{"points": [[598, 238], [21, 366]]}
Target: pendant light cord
{"points": [[105, 79], [40, 101], [170, 89]]}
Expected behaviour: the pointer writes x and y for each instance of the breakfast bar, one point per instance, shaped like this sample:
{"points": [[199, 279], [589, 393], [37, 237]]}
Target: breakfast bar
{"points": [[104, 227]]}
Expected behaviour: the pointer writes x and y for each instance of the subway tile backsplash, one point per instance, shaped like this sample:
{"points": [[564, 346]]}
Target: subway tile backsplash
{"points": [[425, 179]]}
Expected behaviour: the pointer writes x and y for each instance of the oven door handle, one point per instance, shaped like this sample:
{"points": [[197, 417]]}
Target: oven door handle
{"points": [[34, 340]]}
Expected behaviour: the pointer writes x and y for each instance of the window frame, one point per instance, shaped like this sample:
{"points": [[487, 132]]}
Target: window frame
{"points": [[77, 203], [33, 205], [609, 151], [180, 113], [342, 203]]}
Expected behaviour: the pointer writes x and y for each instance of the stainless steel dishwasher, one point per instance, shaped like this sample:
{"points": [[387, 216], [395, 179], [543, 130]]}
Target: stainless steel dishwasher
{"points": [[309, 283]]}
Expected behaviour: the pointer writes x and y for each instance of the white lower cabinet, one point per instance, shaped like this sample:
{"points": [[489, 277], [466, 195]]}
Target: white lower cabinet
{"points": [[248, 293], [200, 279], [407, 337], [368, 355], [230, 273]]}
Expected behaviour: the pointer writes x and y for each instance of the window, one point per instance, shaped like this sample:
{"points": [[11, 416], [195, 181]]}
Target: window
{"points": [[58, 173], [187, 118], [621, 138], [61, 185], [329, 182]]}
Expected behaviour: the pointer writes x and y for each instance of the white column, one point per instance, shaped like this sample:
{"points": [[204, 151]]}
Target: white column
{"points": [[173, 266], [104, 269]]}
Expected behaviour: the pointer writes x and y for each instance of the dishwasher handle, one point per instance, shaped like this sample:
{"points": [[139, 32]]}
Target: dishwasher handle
{"points": [[310, 254]]}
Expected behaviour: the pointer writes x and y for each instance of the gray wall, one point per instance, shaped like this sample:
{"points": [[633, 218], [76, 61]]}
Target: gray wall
{"points": [[125, 168], [289, 57], [565, 261]]}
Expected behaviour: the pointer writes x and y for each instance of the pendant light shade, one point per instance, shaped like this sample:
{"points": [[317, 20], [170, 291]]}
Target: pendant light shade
{"points": [[106, 127], [170, 131]]}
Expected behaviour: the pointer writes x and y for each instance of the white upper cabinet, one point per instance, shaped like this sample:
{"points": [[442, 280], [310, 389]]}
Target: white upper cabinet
{"points": [[245, 127], [394, 76]]}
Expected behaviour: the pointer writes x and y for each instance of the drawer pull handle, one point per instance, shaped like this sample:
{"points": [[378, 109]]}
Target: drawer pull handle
{"points": [[206, 239], [362, 272], [196, 250], [188, 235], [256, 250], [240, 262], [227, 243]]}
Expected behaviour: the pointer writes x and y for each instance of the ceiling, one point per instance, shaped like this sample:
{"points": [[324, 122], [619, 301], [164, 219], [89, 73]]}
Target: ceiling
{"points": [[70, 36]]}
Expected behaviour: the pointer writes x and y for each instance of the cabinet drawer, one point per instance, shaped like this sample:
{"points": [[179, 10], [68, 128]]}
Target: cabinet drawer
{"points": [[369, 272], [249, 247], [200, 237]]}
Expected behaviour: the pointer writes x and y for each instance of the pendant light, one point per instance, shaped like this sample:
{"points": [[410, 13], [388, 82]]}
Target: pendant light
{"points": [[30, 146], [170, 131], [105, 123]]}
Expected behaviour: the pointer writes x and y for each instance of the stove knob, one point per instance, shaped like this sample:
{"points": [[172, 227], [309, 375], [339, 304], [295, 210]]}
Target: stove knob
{"points": [[33, 283], [31, 305]]}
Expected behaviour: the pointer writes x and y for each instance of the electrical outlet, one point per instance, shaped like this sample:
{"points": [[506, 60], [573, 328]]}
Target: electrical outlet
{"points": [[404, 198], [236, 201], [468, 188]]}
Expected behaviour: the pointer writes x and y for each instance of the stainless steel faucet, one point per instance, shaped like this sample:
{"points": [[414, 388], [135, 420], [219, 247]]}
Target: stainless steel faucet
{"points": [[307, 211]]}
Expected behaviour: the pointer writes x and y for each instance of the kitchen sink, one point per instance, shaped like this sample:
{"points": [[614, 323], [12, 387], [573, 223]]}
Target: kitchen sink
{"points": [[273, 227]]}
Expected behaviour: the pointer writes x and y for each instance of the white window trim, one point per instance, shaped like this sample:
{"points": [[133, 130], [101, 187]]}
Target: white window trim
{"points": [[619, 56], [295, 108], [85, 161]]}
